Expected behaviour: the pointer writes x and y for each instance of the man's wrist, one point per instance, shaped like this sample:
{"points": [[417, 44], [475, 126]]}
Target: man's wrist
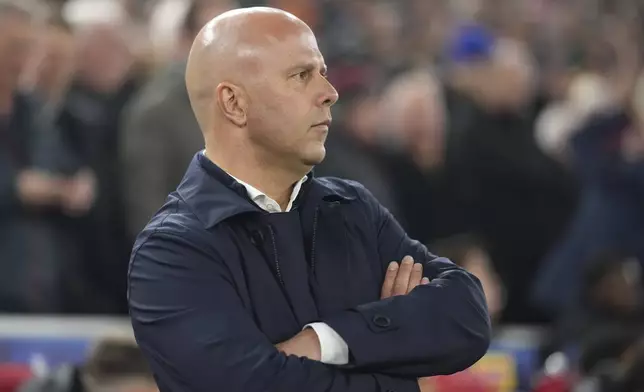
{"points": [[305, 344], [333, 348], [312, 344]]}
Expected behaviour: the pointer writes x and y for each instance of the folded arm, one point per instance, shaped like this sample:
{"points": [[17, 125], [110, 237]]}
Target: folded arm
{"points": [[190, 323], [438, 328]]}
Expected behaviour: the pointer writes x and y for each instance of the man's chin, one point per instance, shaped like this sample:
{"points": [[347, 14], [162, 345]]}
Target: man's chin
{"points": [[314, 158]]}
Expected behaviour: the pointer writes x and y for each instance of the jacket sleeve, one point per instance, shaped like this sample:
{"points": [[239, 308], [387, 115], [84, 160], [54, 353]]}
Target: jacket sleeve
{"points": [[192, 327], [439, 328]]}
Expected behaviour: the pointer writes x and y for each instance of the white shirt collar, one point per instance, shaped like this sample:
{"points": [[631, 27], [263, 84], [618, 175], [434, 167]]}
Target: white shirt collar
{"points": [[263, 201], [266, 203]]}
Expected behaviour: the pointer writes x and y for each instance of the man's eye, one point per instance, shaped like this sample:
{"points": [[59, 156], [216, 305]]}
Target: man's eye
{"points": [[304, 75]]}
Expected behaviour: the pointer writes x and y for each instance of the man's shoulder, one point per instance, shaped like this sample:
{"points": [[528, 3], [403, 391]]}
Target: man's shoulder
{"points": [[345, 188], [176, 238], [173, 220], [350, 188]]}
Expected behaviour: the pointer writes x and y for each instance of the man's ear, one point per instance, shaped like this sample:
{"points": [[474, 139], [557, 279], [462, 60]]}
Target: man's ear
{"points": [[232, 103]]}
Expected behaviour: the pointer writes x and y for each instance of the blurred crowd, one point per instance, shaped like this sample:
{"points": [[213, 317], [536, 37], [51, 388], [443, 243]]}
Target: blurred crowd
{"points": [[507, 135], [113, 364]]}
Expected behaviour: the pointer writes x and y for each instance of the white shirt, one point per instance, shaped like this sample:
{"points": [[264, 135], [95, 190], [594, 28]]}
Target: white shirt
{"points": [[333, 349]]}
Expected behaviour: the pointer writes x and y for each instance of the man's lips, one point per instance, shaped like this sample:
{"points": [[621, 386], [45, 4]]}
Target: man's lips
{"points": [[326, 123]]}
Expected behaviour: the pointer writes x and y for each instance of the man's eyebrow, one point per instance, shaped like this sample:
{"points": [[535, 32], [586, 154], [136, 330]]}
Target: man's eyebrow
{"points": [[307, 67]]}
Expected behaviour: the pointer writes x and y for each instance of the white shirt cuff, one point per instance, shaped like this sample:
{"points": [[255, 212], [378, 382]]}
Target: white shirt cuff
{"points": [[333, 349]]}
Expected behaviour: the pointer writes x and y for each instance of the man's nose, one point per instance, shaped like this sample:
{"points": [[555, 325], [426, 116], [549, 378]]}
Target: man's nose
{"points": [[330, 95]]}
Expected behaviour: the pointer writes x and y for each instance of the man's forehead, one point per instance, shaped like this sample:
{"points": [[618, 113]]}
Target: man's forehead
{"points": [[277, 50], [300, 49], [308, 40]]}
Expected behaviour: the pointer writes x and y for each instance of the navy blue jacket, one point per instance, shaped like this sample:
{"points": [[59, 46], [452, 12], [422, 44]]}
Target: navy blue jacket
{"points": [[215, 282]]}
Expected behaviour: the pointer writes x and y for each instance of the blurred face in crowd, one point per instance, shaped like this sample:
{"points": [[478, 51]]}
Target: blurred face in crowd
{"points": [[362, 118], [290, 98], [385, 25], [52, 62], [503, 82], [104, 58], [16, 39], [428, 29], [413, 111]]}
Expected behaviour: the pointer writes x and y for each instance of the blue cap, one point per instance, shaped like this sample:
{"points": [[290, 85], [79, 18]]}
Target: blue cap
{"points": [[471, 43]]}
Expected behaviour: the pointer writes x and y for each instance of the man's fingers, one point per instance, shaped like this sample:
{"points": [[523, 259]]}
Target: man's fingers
{"points": [[390, 278], [401, 278], [404, 273], [416, 276]]}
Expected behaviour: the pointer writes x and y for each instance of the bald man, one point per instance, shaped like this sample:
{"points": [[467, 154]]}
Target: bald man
{"points": [[258, 276]]}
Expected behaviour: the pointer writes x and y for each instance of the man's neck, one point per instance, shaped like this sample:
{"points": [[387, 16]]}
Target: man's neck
{"points": [[275, 183]]}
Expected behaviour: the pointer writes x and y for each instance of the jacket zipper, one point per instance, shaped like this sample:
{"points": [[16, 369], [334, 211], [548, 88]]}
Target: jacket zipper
{"points": [[278, 270], [277, 262], [315, 229]]}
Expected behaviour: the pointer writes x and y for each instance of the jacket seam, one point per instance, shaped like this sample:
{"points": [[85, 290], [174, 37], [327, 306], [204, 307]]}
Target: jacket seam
{"points": [[277, 262]]}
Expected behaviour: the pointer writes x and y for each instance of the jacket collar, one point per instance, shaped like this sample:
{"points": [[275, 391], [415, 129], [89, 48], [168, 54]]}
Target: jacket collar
{"points": [[214, 196]]}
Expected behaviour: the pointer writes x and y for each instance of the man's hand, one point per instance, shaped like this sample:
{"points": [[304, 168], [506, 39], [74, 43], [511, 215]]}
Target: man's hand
{"points": [[403, 278], [304, 344], [37, 188], [426, 384], [80, 193]]}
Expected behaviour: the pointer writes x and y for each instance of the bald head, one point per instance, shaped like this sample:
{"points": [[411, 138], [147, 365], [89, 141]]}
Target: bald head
{"points": [[228, 54]]}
